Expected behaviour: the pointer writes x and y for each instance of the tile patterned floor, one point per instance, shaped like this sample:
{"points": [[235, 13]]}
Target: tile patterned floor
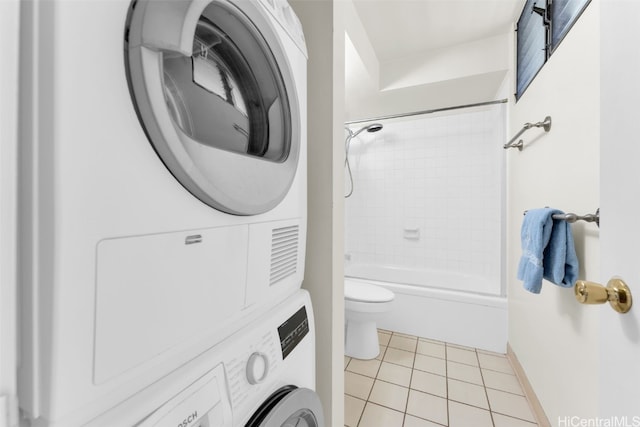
{"points": [[416, 382]]}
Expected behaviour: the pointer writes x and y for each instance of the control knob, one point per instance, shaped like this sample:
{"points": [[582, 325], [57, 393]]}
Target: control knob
{"points": [[257, 368]]}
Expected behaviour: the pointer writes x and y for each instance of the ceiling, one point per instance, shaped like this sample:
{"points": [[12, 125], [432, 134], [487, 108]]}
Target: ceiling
{"points": [[401, 28]]}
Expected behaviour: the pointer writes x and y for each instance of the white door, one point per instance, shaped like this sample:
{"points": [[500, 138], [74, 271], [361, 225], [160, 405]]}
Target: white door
{"points": [[9, 35], [619, 366]]}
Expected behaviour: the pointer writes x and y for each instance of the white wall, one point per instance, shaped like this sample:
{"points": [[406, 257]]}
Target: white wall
{"points": [[439, 65], [465, 74], [358, 42], [324, 33], [554, 337]]}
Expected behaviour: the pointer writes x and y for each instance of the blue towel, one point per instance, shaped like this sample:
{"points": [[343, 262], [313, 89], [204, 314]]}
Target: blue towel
{"points": [[547, 251]]}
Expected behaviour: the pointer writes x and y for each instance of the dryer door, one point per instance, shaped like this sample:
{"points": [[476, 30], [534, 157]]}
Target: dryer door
{"points": [[214, 91], [289, 407]]}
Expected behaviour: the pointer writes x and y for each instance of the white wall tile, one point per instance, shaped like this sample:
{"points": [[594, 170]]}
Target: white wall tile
{"points": [[440, 174]]}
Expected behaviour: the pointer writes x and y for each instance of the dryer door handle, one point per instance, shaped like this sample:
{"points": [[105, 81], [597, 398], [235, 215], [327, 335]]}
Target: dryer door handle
{"points": [[167, 25]]}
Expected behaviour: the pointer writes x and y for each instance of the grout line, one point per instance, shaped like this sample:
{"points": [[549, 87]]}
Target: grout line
{"points": [[500, 372], [389, 382], [429, 340], [463, 363], [360, 417], [534, 423], [505, 391], [426, 419], [382, 406], [361, 414], [486, 394], [413, 364], [383, 352]]}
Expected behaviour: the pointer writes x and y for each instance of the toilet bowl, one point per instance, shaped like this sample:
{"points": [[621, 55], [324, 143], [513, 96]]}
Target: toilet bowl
{"points": [[364, 303]]}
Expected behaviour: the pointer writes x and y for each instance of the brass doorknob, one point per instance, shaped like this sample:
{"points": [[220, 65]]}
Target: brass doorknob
{"points": [[617, 293]]}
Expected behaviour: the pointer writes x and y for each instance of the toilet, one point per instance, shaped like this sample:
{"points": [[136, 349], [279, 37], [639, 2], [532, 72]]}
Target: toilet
{"points": [[364, 303]]}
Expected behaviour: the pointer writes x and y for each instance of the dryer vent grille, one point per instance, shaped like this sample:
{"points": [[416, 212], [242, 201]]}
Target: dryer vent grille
{"points": [[284, 253]]}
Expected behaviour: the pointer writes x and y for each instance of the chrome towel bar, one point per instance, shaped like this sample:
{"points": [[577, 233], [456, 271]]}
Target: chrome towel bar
{"points": [[571, 217], [546, 124]]}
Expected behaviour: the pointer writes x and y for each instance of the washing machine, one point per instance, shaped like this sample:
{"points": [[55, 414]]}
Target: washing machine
{"points": [[162, 188], [262, 376]]}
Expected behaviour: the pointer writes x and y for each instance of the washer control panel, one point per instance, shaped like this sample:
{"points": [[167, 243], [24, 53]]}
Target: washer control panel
{"points": [[248, 370], [277, 349], [252, 366], [293, 331]]}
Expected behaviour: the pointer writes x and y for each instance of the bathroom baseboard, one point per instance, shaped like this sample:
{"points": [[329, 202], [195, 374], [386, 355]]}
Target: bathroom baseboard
{"points": [[536, 407]]}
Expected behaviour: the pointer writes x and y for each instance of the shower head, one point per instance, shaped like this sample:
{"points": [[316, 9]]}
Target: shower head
{"points": [[374, 127]]}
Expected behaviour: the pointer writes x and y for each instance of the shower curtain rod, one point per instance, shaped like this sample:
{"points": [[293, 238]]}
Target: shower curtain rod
{"points": [[418, 113]]}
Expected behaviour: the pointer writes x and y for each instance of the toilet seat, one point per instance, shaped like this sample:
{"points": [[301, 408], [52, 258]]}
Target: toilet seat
{"points": [[366, 293]]}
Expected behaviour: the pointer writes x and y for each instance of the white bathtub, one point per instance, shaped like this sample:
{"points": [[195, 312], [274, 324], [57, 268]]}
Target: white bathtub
{"points": [[431, 309], [445, 280]]}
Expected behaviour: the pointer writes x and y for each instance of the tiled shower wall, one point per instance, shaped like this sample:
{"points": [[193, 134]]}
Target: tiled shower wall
{"points": [[428, 194]]}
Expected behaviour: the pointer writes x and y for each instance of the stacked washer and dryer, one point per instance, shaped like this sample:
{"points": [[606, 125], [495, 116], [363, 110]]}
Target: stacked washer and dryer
{"points": [[163, 215]]}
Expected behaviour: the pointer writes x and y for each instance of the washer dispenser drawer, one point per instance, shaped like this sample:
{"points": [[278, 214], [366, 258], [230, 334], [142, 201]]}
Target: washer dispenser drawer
{"points": [[204, 403]]}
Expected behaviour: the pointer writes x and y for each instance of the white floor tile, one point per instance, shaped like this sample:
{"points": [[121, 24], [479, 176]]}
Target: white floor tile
{"points": [[495, 363], [432, 341], [383, 350], [500, 420], [427, 406], [510, 404], [364, 367], [411, 421], [403, 343], [389, 395], [467, 393], [462, 347], [491, 353], [429, 383], [501, 381], [459, 355], [459, 371], [431, 349], [396, 374], [399, 357], [431, 364], [461, 415], [400, 334], [353, 408], [384, 337], [357, 385], [378, 416]]}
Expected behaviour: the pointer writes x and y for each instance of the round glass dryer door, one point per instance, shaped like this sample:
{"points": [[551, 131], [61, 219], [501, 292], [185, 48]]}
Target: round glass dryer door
{"points": [[215, 94]]}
